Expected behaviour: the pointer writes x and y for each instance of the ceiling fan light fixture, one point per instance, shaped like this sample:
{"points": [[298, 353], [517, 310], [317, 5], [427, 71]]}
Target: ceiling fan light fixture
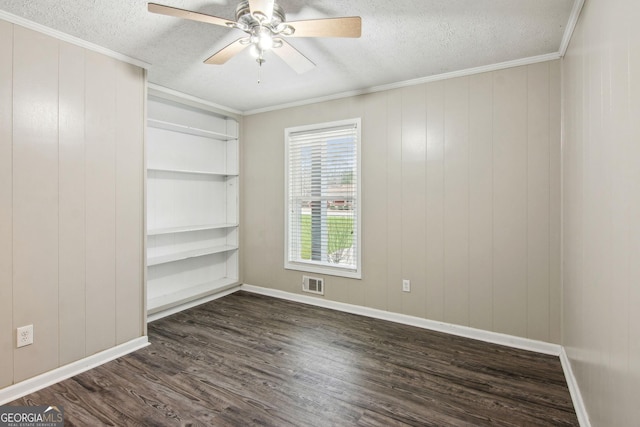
{"points": [[264, 23], [257, 54], [264, 40], [254, 50]]}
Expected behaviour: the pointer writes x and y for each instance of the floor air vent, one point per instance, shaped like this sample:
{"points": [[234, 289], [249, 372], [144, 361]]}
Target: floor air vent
{"points": [[314, 285]]}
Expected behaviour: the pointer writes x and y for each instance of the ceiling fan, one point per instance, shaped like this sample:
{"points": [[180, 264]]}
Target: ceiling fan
{"points": [[266, 27]]}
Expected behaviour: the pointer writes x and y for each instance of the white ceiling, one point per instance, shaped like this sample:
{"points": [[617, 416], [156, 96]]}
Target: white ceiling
{"points": [[401, 40]]}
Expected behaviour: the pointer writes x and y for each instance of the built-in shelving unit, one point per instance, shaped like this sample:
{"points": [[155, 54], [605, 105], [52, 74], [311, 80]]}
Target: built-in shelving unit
{"points": [[192, 202], [190, 171], [161, 124], [187, 228], [192, 253]]}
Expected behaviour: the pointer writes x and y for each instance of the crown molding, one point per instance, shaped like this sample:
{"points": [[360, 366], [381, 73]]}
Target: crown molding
{"points": [[14, 19], [413, 82], [571, 26]]}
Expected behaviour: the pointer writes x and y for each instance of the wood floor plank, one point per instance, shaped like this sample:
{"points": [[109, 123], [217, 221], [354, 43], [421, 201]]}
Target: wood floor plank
{"points": [[247, 359]]}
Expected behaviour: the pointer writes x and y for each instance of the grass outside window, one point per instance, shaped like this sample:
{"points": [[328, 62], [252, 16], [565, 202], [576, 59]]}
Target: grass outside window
{"points": [[340, 236]]}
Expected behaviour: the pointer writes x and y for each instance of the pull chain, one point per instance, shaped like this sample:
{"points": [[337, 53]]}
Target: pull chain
{"points": [[260, 60]]}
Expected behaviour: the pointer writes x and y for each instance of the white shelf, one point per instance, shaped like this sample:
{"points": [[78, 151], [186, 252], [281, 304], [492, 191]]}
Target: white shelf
{"points": [[164, 302], [187, 228], [188, 171], [192, 186], [174, 127], [179, 256]]}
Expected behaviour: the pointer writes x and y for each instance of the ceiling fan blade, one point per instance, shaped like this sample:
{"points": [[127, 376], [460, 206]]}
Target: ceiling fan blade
{"points": [[350, 26], [226, 53], [294, 58], [264, 7], [187, 14]]}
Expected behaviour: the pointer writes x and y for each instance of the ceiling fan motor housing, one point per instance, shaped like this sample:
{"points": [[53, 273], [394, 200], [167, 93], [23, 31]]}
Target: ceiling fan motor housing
{"points": [[249, 20]]}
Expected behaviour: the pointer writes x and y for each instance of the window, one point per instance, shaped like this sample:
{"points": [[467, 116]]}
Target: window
{"points": [[323, 198]]}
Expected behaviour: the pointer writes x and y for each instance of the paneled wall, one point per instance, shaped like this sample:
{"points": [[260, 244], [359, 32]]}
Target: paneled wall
{"points": [[6, 228], [601, 209], [71, 202], [461, 195]]}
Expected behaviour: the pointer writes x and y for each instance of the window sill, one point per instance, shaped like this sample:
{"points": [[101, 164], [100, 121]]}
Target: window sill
{"points": [[319, 269]]}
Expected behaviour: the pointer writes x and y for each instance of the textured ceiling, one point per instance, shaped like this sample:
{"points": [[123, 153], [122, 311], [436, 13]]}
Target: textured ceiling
{"points": [[401, 40]]}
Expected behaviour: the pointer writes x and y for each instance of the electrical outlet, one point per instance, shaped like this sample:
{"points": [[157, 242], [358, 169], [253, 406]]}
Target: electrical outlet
{"points": [[24, 336], [406, 285]]}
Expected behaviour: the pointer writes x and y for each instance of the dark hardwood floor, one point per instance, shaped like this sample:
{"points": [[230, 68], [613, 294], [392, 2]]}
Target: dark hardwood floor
{"points": [[248, 360]]}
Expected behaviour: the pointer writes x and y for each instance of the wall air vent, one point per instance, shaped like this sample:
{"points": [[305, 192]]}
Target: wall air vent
{"points": [[314, 285]]}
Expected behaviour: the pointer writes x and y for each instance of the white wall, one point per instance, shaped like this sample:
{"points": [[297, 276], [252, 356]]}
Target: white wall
{"points": [[71, 202], [601, 209], [461, 195]]}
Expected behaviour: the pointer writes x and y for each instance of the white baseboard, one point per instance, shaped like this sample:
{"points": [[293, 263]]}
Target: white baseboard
{"points": [[574, 390], [178, 308], [31, 385], [16, 391], [462, 331]]}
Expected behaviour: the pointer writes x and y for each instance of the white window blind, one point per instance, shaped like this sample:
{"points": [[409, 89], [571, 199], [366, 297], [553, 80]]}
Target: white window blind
{"points": [[323, 198]]}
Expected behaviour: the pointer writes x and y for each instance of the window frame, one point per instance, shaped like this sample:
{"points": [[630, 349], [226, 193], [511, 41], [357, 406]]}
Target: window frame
{"points": [[314, 266]]}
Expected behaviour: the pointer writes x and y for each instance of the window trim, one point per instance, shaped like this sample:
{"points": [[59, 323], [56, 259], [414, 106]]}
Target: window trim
{"points": [[315, 267]]}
